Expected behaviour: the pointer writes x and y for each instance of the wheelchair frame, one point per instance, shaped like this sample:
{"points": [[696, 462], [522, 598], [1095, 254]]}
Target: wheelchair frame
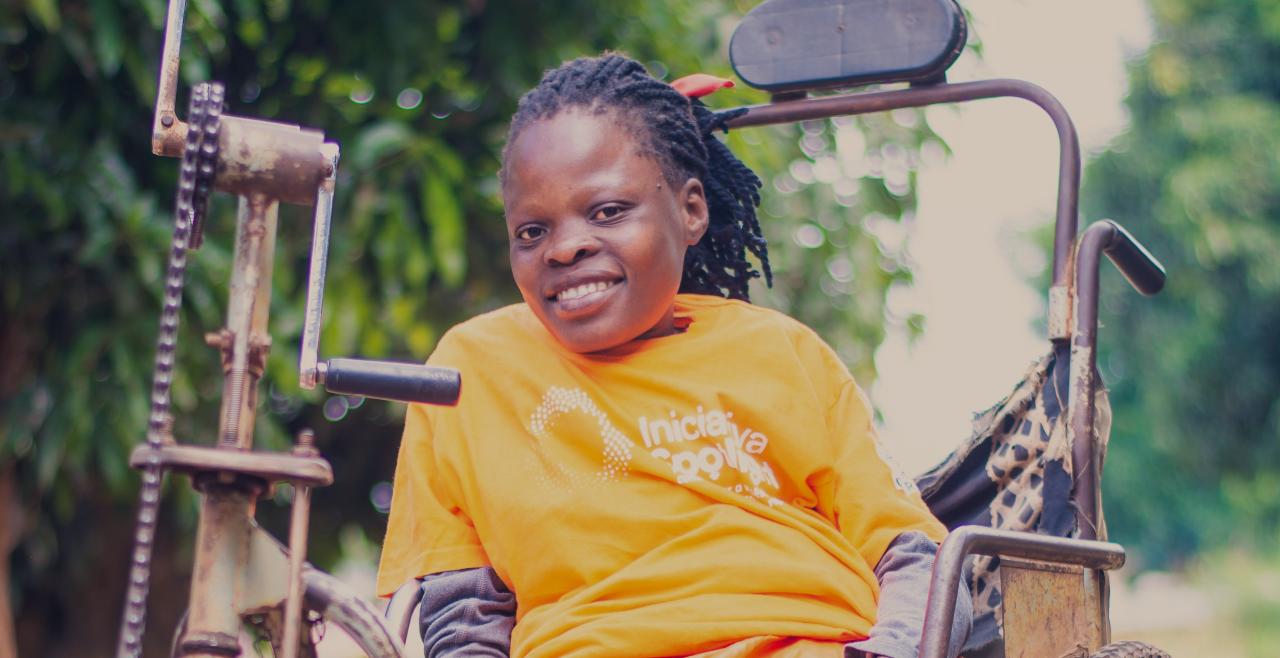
{"points": [[242, 573], [1073, 319]]}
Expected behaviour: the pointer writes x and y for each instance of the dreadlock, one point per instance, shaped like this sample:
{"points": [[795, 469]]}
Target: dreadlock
{"points": [[678, 133]]}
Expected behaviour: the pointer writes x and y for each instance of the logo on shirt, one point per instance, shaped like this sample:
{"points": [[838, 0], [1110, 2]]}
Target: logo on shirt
{"points": [[557, 405], [700, 445], [704, 445]]}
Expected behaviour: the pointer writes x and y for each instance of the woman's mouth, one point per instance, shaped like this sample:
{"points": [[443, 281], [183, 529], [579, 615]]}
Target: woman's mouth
{"points": [[584, 296], [578, 292]]}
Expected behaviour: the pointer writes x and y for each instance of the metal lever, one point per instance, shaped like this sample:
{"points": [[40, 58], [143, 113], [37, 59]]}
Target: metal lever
{"points": [[167, 132], [402, 382], [307, 365]]}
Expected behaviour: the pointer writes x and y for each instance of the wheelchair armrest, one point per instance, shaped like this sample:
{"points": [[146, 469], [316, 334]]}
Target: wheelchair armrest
{"points": [[977, 540]]}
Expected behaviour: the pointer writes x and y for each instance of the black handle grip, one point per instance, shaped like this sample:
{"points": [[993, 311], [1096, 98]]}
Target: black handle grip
{"points": [[1143, 271], [402, 382]]}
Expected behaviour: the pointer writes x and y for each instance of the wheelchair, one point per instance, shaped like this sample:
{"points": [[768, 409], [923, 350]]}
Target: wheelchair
{"points": [[1021, 495]]}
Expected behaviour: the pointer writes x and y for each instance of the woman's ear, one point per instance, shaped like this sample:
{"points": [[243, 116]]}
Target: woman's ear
{"points": [[693, 205]]}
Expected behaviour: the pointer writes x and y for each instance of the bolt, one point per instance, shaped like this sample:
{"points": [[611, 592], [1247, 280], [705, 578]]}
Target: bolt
{"points": [[222, 339], [306, 445], [166, 120]]}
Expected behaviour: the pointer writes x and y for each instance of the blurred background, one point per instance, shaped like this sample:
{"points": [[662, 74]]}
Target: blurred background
{"points": [[916, 242]]}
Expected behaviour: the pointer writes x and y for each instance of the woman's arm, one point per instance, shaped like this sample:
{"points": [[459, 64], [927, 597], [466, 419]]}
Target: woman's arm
{"points": [[904, 572], [469, 613]]}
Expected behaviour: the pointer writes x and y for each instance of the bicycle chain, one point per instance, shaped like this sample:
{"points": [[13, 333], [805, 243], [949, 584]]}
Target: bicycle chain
{"points": [[195, 180]]}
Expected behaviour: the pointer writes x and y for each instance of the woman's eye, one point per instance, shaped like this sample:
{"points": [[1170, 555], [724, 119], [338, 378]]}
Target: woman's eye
{"points": [[530, 232], [606, 213]]}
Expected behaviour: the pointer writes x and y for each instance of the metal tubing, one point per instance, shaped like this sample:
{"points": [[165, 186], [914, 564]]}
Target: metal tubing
{"points": [[1145, 274], [266, 466], [247, 310], [1097, 598], [975, 540], [167, 132], [298, 524], [354, 615], [880, 101], [308, 360], [279, 160], [400, 608], [1081, 406], [221, 551], [1142, 270]]}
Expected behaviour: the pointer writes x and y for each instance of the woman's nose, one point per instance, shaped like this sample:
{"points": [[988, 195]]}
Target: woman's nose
{"points": [[572, 245]]}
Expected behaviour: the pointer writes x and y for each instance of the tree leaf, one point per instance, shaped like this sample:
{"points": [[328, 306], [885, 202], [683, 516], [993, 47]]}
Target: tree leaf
{"points": [[108, 40], [46, 14], [378, 142], [448, 232]]}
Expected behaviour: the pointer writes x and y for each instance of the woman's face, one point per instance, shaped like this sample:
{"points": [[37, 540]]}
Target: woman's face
{"points": [[597, 233]]}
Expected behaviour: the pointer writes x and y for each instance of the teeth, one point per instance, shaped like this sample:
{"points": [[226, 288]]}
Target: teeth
{"points": [[583, 290]]}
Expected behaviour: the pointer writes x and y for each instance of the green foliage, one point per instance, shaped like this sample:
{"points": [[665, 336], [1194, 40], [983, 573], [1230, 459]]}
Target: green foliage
{"points": [[1195, 453], [823, 212], [418, 95]]}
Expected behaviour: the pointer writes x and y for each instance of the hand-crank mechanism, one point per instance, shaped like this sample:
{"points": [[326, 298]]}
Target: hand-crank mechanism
{"points": [[263, 163]]}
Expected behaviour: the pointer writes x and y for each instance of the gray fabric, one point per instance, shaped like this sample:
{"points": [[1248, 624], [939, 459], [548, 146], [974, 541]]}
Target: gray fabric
{"points": [[470, 613], [904, 572], [467, 613]]}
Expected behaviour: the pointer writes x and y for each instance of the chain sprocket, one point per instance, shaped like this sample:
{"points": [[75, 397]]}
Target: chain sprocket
{"points": [[195, 180]]}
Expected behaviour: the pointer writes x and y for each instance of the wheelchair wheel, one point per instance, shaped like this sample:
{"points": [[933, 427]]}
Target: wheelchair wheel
{"points": [[359, 619], [1130, 650]]}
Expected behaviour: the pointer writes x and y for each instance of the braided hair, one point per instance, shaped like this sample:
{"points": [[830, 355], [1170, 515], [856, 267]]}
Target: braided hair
{"points": [[678, 133]]}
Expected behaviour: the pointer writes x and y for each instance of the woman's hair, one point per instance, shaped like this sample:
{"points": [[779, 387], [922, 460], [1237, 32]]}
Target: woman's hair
{"points": [[678, 133]]}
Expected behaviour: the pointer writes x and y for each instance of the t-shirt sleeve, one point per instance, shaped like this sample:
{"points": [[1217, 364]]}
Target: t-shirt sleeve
{"points": [[873, 501], [427, 531]]}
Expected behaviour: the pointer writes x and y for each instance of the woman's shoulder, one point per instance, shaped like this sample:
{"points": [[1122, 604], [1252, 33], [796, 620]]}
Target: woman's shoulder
{"points": [[744, 316], [501, 328], [772, 334]]}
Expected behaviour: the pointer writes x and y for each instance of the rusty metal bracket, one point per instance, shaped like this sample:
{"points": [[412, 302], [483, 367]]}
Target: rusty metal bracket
{"points": [[268, 466], [278, 160], [1045, 608], [975, 540], [1059, 312]]}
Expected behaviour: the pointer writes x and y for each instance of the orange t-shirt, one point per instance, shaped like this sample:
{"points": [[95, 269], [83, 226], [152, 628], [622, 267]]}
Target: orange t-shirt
{"points": [[671, 496]]}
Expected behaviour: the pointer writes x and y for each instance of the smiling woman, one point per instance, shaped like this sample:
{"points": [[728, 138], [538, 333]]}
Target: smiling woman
{"points": [[651, 468], [598, 234]]}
